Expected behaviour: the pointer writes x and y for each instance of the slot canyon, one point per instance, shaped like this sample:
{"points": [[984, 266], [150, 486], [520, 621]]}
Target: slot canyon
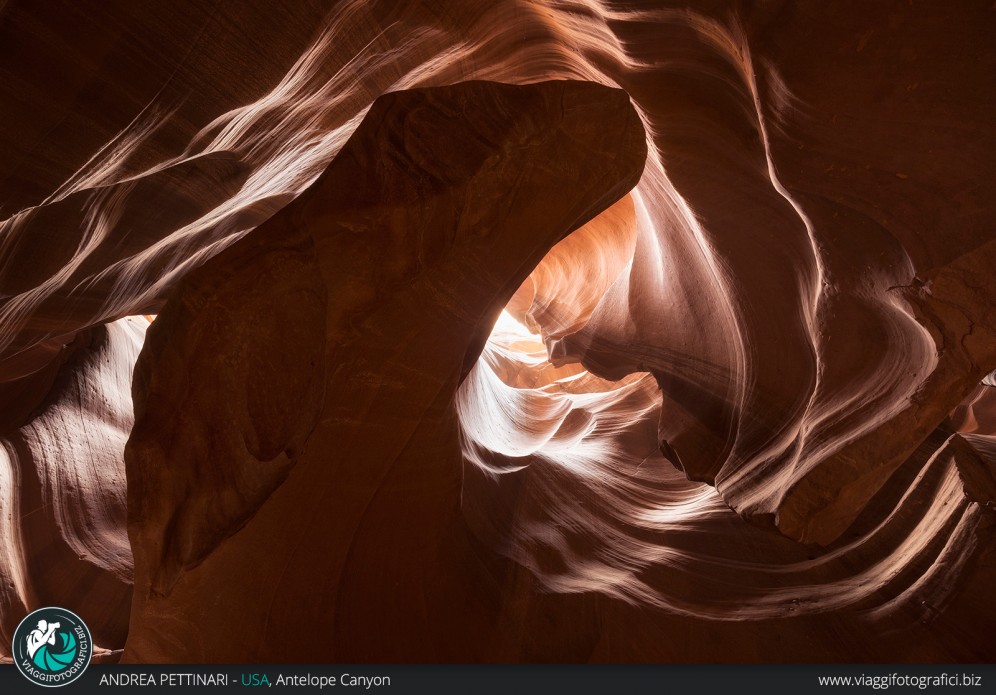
{"points": [[475, 331]]}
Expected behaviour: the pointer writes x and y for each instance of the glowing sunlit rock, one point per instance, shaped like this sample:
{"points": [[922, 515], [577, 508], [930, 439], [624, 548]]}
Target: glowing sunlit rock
{"points": [[740, 416]]}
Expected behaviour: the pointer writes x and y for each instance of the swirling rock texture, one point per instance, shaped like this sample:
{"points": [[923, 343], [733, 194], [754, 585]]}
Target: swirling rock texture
{"points": [[63, 528], [742, 414]]}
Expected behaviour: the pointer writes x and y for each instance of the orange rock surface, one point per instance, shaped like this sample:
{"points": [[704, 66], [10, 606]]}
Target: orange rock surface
{"points": [[743, 412]]}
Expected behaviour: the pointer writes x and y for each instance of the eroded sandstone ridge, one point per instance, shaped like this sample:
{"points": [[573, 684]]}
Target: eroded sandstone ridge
{"points": [[295, 430], [745, 413], [63, 533]]}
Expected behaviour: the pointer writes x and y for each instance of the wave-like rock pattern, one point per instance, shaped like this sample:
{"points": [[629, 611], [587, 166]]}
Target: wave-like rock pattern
{"points": [[785, 310], [63, 528], [634, 526]]}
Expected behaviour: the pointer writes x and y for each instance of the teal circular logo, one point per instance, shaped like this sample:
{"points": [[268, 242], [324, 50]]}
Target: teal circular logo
{"points": [[52, 647]]}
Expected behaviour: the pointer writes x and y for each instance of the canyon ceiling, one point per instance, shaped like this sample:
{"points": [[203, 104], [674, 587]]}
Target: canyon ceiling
{"points": [[500, 331]]}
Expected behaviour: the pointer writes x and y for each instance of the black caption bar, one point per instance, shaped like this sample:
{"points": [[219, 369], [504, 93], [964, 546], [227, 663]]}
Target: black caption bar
{"points": [[969, 679]]}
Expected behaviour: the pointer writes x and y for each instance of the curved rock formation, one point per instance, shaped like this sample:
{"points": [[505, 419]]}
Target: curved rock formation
{"points": [[741, 405], [63, 528], [294, 399]]}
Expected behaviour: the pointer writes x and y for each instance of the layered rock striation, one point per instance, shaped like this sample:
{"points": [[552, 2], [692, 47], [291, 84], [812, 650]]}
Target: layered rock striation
{"points": [[748, 403]]}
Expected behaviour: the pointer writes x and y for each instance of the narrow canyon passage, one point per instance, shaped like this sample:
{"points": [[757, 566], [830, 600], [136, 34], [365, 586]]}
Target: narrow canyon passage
{"points": [[500, 331]]}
